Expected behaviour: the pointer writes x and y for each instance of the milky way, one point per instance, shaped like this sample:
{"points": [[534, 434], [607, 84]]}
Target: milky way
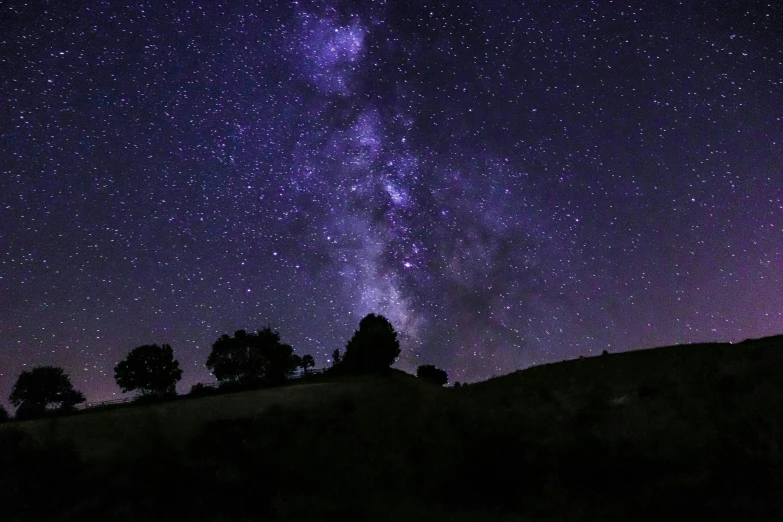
{"points": [[509, 183]]}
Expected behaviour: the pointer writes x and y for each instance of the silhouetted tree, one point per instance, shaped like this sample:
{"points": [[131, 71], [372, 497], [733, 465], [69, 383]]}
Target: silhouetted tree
{"points": [[44, 388], [373, 348], [151, 369], [230, 358], [336, 357], [252, 359], [3, 414], [430, 373], [297, 361], [307, 363], [274, 361]]}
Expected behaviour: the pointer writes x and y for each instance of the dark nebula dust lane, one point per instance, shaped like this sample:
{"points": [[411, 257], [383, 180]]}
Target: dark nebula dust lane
{"points": [[509, 183]]}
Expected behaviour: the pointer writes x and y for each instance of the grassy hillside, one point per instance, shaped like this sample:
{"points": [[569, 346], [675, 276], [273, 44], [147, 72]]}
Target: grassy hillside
{"points": [[685, 431], [670, 369], [680, 430], [101, 434]]}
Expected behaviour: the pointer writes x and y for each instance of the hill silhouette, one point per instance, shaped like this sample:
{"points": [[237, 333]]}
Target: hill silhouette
{"points": [[675, 432]]}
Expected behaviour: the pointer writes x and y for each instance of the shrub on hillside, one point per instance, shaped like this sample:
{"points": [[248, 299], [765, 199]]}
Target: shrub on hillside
{"points": [[430, 373]]}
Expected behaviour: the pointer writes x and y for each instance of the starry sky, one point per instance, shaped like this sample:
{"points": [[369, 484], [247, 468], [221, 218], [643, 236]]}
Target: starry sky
{"points": [[510, 183]]}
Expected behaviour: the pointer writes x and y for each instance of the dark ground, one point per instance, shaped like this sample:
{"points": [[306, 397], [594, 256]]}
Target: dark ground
{"points": [[685, 432]]}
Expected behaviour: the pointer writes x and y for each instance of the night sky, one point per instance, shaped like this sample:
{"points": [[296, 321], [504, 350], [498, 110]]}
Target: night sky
{"points": [[510, 183]]}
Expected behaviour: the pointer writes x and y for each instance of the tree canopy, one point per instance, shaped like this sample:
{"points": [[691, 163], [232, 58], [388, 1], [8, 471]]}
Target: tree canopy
{"points": [[430, 373], [373, 348], [44, 388], [252, 359], [307, 362], [336, 358], [151, 369]]}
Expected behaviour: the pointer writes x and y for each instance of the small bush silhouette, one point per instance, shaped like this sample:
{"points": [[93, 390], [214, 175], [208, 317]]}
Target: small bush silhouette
{"points": [[430, 373]]}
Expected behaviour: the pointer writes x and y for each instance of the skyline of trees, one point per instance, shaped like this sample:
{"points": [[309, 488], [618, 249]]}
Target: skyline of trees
{"points": [[242, 361]]}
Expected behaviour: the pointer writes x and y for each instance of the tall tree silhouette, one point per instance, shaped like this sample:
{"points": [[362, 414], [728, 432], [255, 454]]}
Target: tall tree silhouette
{"points": [[336, 358], [373, 348], [44, 388], [229, 359], [151, 369], [3, 414], [307, 362], [252, 359]]}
